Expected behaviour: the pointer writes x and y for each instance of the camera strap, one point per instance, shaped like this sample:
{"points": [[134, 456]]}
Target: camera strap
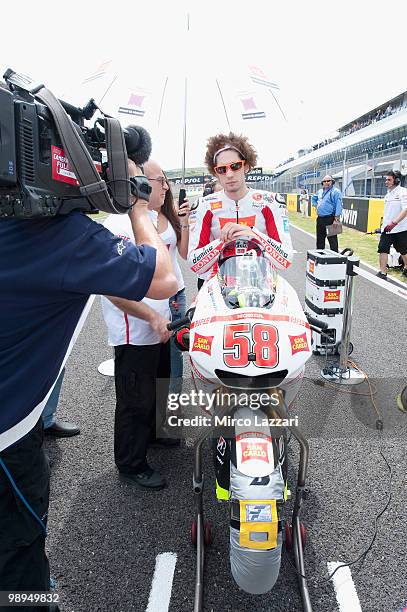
{"points": [[92, 186]]}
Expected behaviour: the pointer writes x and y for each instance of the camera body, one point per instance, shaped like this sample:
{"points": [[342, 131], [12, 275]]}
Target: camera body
{"points": [[36, 179]]}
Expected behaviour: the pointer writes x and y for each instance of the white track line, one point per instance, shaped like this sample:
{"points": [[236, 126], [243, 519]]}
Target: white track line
{"points": [[345, 590], [161, 587]]}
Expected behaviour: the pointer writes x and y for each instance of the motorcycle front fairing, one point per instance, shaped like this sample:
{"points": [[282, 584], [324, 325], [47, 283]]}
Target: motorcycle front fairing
{"points": [[249, 348]]}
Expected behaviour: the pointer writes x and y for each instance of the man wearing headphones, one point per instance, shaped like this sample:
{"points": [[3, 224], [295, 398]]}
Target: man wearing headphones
{"points": [[328, 202], [394, 226]]}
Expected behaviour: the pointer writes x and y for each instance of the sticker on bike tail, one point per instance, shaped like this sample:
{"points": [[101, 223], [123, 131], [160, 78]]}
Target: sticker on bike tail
{"points": [[245, 342], [254, 454]]}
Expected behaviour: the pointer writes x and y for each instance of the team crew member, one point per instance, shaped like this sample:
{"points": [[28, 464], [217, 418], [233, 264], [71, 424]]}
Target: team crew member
{"points": [[236, 210], [328, 202], [138, 332], [394, 227], [48, 269]]}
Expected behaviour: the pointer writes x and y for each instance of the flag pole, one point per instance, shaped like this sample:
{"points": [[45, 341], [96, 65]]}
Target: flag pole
{"points": [[276, 101], [185, 121], [109, 86], [223, 102], [162, 101]]}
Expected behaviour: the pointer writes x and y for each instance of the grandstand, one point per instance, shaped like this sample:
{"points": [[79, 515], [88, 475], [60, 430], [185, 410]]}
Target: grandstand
{"points": [[358, 156]]}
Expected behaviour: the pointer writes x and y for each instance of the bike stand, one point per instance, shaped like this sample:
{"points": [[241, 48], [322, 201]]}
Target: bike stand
{"points": [[198, 482], [300, 495]]}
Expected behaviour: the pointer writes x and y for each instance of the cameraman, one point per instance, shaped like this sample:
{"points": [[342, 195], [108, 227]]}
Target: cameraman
{"points": [[48, 269]]}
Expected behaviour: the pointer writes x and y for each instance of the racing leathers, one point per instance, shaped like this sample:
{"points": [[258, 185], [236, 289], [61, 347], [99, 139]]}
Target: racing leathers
{"points": [[262, 211]]}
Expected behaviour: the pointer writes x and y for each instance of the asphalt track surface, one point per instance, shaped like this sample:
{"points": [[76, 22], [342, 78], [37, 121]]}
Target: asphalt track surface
{"points": [[104, 536]]}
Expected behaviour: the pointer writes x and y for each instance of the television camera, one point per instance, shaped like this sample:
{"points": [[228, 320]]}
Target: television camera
{"points": [[51, 163]]}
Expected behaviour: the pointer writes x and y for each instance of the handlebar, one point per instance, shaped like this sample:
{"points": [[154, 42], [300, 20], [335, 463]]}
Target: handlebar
{"points": [[316, 322], [178, 324], [347, 250]]}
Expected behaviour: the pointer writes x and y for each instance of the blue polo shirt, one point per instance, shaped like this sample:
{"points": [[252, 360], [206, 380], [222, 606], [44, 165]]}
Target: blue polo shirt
{"points": [[48, 269], [328, 202]]}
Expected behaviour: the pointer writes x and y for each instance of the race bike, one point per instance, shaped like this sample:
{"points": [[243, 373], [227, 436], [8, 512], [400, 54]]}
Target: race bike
{"points": [[248, 341]]}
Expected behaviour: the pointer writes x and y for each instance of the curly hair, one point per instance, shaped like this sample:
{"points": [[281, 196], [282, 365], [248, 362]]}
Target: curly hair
{"points": [[240, 143]]}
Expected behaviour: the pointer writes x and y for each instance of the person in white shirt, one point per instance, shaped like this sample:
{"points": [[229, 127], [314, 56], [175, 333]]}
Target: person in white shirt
{"points": [[394, 225], [138, 332], [304, 202]]}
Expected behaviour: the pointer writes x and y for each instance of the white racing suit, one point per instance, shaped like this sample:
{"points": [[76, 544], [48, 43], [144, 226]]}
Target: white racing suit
{"points": [[262, 211]]}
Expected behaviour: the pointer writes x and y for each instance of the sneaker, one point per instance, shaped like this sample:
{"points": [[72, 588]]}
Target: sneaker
{"points": [[381, 275], [148, 480], [404, 273]]}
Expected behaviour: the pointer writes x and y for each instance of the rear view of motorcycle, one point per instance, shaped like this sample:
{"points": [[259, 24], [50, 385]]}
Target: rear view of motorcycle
{"points": [[248, 341]]}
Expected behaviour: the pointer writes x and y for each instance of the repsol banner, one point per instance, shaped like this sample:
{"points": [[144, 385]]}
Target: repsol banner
{"points": [[189, 180], [355, 213], [256, 178]]}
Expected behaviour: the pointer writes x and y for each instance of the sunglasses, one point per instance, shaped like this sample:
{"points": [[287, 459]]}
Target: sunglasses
{"points": [[234, 166], [162, 180], [328, 181]]}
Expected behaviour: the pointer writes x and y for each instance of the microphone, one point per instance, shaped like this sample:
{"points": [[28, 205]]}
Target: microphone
{"points": [[138, 144]]}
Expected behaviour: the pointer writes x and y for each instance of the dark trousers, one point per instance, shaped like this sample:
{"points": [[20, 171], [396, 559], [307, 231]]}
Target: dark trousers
{"points": [[322, 222], [23, 562], [139, 408]]}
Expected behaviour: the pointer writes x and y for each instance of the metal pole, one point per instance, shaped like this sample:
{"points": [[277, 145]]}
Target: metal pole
{"points": [[373, 183], [344, 186], [184, 132], [223, 102], [401, 156], [342, 373], [185, 122], [276, 101], [109, 86], [162, 101], [367, 159], [347, 313]]}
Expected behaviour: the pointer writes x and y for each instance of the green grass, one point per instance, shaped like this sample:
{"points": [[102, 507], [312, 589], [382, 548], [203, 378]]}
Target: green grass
{"points": [[363, 246]]}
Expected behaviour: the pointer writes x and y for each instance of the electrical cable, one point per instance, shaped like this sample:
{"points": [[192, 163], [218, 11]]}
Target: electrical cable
{"points": [[379, 427]]}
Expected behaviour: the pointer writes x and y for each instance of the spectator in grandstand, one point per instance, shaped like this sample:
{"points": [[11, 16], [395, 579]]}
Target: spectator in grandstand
{"points": [[328, 202], [394, 226], [388, 111], [304, 202], [138, 332]]}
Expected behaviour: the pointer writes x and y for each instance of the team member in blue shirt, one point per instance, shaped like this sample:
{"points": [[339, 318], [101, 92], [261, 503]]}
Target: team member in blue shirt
{"points": [[48, 269], [328, 202]]}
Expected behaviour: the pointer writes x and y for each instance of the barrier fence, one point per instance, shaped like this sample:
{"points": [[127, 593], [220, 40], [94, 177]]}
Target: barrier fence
{"points": [[363, 214]]}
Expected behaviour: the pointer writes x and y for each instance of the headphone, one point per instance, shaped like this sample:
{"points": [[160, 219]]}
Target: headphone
{"points": [[396, 176], [332, 179]]}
